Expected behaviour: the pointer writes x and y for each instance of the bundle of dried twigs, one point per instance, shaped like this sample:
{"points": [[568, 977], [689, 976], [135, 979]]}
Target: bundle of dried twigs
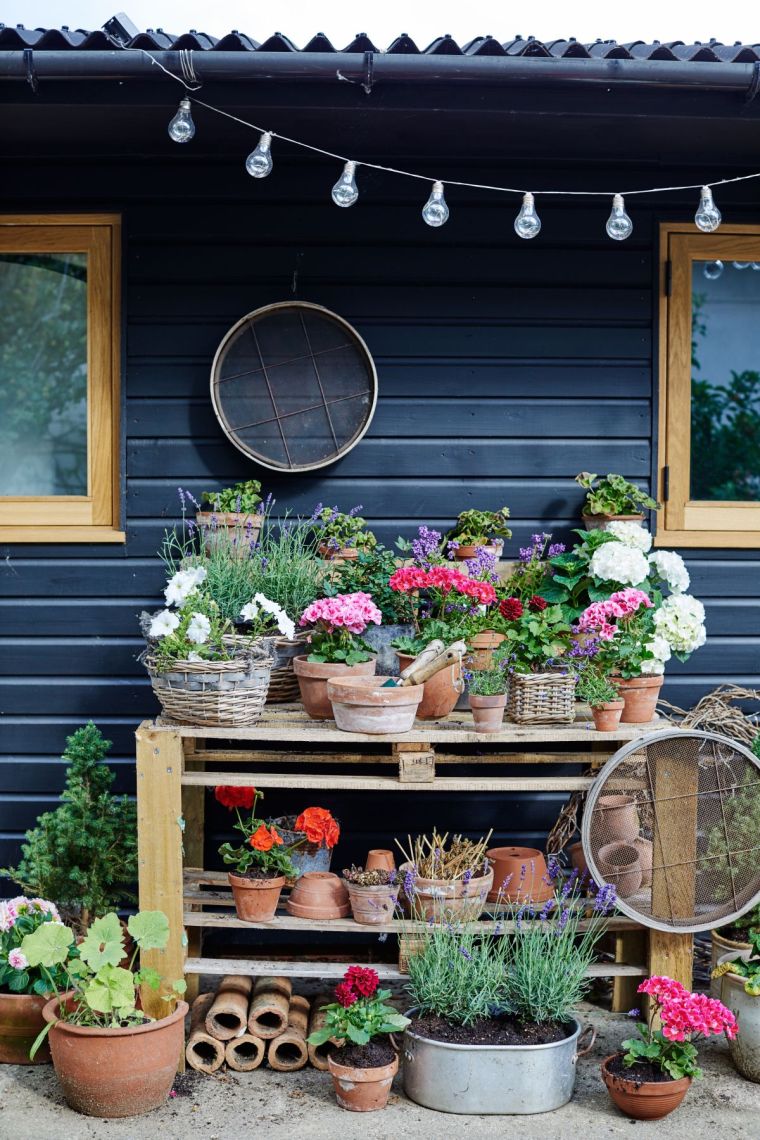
{"points": [[432, 860], [717, 712]]}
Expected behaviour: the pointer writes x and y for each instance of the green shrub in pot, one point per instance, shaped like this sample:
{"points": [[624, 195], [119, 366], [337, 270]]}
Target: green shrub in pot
{"points": [[613, 495]]}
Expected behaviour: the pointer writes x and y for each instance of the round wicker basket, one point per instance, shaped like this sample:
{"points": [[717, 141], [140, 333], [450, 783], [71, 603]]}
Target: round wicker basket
{"points": [[283, 686]]}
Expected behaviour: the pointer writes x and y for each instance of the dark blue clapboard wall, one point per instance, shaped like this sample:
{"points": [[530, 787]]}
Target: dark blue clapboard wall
{"points": [[505, 367]]}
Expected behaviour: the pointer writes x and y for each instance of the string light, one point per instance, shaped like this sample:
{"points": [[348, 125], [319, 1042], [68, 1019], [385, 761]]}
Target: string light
{"points": [[345, 191], [619, 225], [527, 222], [259, 161], [707, 217], [435, 211], [182, 127], [713, 269]]}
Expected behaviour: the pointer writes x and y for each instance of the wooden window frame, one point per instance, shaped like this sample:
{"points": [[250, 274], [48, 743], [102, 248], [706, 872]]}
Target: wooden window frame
{"points": [[94, 517], [684, 521]]}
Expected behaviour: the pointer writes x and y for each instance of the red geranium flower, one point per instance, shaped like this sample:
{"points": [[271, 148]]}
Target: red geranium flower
{"points": [[319, 826], [537, 603], [511, 609], [363, 980], [233, 797], [265, 838], [345, 995]]}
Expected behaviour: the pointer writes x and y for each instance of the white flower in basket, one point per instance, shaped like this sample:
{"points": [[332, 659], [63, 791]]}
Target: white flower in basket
{"points": [[199, 629], [183, 585], [261, 604], [163, 623]]}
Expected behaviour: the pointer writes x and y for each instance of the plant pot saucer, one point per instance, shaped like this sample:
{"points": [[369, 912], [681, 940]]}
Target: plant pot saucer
{"points": [[301, 910]]}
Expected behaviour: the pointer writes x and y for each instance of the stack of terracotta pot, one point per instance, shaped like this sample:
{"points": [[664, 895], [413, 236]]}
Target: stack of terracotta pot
{"points": [[626, 858], [245, 1022]]}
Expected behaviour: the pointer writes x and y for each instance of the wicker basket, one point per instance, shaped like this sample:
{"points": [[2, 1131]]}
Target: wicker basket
{"points": [[283, 686], [541, 698], [217, 694]]}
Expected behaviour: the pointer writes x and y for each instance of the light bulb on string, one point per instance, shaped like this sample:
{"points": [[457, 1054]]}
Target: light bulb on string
{"points": [[527, 222], [182, 127], [741, 264], [259, 161], [619, 225], [345, 191], [713, 269], [756, 265], [435, 211], [707, 217]]}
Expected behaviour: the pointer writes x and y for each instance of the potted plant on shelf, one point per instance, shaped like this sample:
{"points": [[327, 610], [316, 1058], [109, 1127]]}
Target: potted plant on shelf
{"points": [[541, 680], [364, 1066], [653, 1073], [262, 862], [335, 647], [24, 990], [234, 510], [734, 937], [739, 974], [445, 876], [373, 894], [612, 498], [110, 1057], [488, 694], [310, 837], [597, 689], [494, 1027], [476, 530], [341, 535]]}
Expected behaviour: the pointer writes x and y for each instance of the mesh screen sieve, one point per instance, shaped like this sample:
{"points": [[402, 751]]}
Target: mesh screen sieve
{"points": [[673, 821]]}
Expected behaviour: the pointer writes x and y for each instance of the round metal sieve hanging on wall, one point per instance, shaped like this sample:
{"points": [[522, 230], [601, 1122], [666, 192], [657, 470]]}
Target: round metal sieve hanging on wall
{"points": [[293, 386]]}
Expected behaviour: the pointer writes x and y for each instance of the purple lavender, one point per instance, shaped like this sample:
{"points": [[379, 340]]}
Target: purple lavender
{"points": [[634, 1012], [465, 953], [467, 876], [553, 869], [482, 566], [526, 553], [546, 910], [355, 510], [556, 548], [426, 545], [315, 513], [409, 883], [451, 547], [605, 900]]}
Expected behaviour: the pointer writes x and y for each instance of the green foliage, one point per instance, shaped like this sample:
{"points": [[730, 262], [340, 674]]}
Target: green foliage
{"points": [[568, 581], [262, 846], [676, 1058], [535, 640], [83, 854], [369, 573], [474, 527], [446, 630], [243, 498], [460, 975], [595, 688], [741, 824], [339, 646], [365, 1018], [613, 495], [487, 682], [19, 917], [338, 531], [177, 646]]}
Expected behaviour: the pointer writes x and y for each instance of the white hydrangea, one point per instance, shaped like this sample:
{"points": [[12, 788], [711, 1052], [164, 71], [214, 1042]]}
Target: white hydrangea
{"points": [[653, 665], [616, 562], [183, 585], [198, 629], [680, 620], [661, 650], [163, 623], [260, 602], [630, 534], [671, 568]]}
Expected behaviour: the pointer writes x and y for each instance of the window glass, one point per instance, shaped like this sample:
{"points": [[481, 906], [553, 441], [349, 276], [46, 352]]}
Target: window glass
{"points": [[43, 374]]}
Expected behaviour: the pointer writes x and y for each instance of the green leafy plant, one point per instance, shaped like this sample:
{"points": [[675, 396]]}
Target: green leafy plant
{"points": [[361, 1011], [97, 990], [595, 688], [488, 682], [84, 853], [745, 964], [370, 573], [537, 639], [243, 498], [475, 527], [19, 917], [460, 975], [434, 629], [263, 852], [195, 632], [736, 835], [569, 581], [613, 495], [338, 531]]}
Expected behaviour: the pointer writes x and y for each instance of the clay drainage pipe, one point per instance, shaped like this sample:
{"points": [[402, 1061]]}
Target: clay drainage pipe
{"points": [[318, 1054], [203, 1052], [268, 1014], [289, 1052], [228, 1015], [244, 1054]]}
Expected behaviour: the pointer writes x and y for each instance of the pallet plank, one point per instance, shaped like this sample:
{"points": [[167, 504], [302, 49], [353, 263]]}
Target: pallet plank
{"points": [[319, 782], [323, 970]]}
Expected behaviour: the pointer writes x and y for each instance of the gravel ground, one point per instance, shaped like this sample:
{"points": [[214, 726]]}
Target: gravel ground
{"points": [[302, 1105]]}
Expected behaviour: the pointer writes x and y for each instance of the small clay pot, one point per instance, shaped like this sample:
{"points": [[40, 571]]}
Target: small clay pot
{"points": [[361, 704], [239, 531], [380, 859], [620, 865], [607, 716], [619, 817], [437, 900], [318, 894], [21, 1021], [362, 1090], [488, 712], [256, 899], [312, 681], [600, 522], [482, 647], [520, 875], [643, 1100], [577, 857], [373, 906], [640, 695], [342, 554], [644, 848], [440, 692], [463, 553]]}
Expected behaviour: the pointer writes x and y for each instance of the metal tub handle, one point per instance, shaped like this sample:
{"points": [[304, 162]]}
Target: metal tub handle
{"points": [[582, 1052]]}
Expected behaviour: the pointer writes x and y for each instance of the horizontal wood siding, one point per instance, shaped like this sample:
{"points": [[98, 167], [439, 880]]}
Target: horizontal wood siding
{"points": [[505, 367]]}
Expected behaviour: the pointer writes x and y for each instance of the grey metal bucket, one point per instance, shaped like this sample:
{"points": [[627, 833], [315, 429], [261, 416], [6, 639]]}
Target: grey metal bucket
{"points": [[380, 638], [514, 1080], [307, 856]]}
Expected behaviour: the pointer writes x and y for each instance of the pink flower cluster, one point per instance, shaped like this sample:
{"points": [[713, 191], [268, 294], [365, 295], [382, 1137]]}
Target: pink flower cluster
{"points": [[353, 612], [623, 603], [13, 909], [444, 578], [684, 1014]]}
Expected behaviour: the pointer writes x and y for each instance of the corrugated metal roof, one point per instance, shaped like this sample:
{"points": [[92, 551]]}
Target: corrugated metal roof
{"points": [[64, 38]]}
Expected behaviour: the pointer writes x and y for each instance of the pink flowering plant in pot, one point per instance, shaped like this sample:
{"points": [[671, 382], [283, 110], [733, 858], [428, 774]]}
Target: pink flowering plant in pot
{"points": [[336, 625], [19, 917]]}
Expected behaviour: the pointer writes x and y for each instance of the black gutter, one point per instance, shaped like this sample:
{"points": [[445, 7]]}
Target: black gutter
{"points": [[374, 68]]}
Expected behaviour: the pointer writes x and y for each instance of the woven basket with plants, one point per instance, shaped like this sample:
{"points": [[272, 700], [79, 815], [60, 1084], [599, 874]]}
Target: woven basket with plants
{"points": [[541, 682]]}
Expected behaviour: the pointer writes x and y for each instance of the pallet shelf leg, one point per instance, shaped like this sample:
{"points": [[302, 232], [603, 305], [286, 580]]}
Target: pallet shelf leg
{"points": [[671, 955], [194, 815], [631, 946], [159, 848]]}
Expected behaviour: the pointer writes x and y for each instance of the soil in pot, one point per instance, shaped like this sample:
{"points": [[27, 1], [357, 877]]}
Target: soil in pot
{"points": [[491, 1031], [361, 1075], [607, 716], [21, 1021], [441, 691], [640, 695], [312, 681], [641, 1092], [256, 895], [318, 894]]}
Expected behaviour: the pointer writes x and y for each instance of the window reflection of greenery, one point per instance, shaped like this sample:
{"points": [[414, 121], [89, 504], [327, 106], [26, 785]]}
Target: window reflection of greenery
{"points": [[725, 427], [43, 371]]}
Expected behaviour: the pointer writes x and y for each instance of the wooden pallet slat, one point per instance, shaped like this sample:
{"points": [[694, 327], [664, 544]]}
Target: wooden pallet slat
{"points": [[321, 970], [361, 783]]}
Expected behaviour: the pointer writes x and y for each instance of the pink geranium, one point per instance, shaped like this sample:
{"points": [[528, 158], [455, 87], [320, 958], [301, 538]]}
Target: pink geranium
{"points": [[596, 617], [353, 612]]}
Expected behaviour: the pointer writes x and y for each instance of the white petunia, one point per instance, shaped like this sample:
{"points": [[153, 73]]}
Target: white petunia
{"points": [[680, 620], [615, 562], [251, 611], [193, 656], [630, 534], [163, 623], [198, 629], [671, 568], [183, 585]]}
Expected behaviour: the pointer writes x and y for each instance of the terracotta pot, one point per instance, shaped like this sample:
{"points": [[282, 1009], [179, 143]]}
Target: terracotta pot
{"points": [[721, 946], [644, 848], [256, 899], [619, 864], [599, 522], [117, 1072], [373, 906], [435, 899], [380, 859], [441, 691], [342, 554], [483, 645], [362, 1090], [619, 817], [577, 857], [488, 712], [318, 894], [644, 1100], [21, 1021], [361, 704], [520, 875], [640, 695], [462, 553], [230, 526], [312, 681], [607, 716]]}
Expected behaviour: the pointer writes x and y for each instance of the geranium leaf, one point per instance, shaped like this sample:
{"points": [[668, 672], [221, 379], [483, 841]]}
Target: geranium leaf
{"points": [[48, 945], [150, 929], [111, 989], [103, 945]]}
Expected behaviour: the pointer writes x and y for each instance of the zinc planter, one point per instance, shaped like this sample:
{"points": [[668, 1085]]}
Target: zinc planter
{"points": [[441, 691], [21, 1021], [437, 900], [640, 695], [372, 906], [509, 1080], [306, 856], [643, 1100], [720, 946], [117, 1072], [256, 899], [488, 712], [745, 1047], [362, 1090], [380, 638], [361, 704], [312, 681]]}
